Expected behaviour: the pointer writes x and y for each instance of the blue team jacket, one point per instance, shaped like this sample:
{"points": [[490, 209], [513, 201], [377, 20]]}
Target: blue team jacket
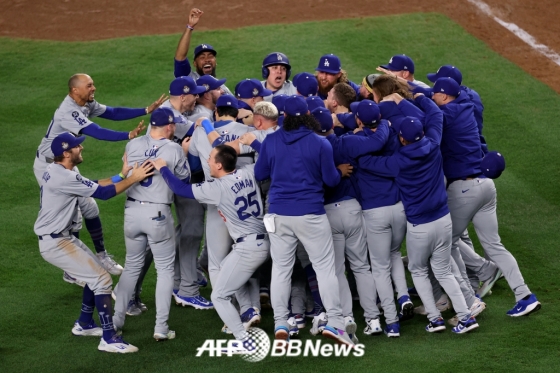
{"points": [[417, 169], [478, 109], [298, 162]]}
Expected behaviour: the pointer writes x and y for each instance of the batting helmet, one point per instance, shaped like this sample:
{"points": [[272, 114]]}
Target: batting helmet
{"points": [[276, 58]]}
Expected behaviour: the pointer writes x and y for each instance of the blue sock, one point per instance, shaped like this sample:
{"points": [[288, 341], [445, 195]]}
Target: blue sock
{"points": [[313, 284], [88, 304], [105, 310], [96, 232]]}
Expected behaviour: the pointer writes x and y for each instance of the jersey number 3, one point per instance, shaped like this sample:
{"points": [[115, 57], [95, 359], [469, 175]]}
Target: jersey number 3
{"points": [[251, 200]]}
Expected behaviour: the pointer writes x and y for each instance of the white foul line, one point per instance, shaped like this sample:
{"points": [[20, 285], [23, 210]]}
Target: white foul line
{"points": [[519, 32]]}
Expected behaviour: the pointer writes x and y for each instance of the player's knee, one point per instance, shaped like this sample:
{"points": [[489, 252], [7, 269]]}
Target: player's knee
{"points": [[104, 284]]}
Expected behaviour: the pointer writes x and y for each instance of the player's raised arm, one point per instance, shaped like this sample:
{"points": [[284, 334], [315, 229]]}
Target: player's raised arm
{"points": [[182, 65]]}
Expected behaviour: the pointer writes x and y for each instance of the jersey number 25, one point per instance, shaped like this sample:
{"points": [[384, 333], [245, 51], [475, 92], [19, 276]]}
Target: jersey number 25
{"points": [[251, 200]]}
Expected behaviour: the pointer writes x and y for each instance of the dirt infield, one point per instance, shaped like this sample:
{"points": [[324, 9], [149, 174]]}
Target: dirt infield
{"points": [[68, 20]]}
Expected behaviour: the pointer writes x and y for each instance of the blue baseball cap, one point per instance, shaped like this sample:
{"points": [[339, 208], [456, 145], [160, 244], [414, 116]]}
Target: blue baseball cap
{"points": [[493, 164], [204, 48], [209, 82], [65, 141], [250, 88], [446, 71], [162, 117], [447, 86], [400, 62], [367, 111], [411, 129], [227, 100], [185, 85], [295, 106], [329, 63], [314, 102], [307, 84], [280, 102], [323, 116]]}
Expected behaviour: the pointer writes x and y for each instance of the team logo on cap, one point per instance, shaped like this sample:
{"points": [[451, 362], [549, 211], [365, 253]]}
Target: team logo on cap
{"points": [[170, 119], [64, 145], [186, 89], [229, 103], [206, 86], [391, 60], [279, 57], [255, 91], [204, 46], [326, 62]]}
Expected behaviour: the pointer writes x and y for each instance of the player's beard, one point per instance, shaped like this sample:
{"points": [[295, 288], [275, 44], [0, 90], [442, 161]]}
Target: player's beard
{"points": [[76, 158]]}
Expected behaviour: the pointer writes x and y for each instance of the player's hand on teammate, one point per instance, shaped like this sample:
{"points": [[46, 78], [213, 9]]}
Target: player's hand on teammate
{"points": [[336, 122], [125, 167], [248, 138], [198, 122], [135, 132], [345, 168], [246, 116], [141, 172], [185, 144], [158, 163], [418, 94], [395, 97], [194, 17], [157, 103]]}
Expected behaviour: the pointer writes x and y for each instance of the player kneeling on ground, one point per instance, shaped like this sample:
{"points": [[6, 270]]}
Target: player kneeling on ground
{"points": [[236, 194], [61, 187]]}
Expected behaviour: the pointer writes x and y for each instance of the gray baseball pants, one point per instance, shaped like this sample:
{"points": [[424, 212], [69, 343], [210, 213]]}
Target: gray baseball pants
{"points": [[475, 200], [386, 228], [349, 237], [314, 232], [429, 245], [144, 226]]}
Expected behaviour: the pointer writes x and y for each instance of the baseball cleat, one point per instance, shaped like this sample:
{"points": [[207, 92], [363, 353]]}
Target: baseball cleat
{"points": [[488, 284], [443, 304], [164, 336], [294, 330], [525, 306], [250, 317], [132, 309], [71, 280], [351, 328], [265, 298], [89, 330], [476, 309], [392, 330], [316, 310], [438, 325], [140, 305], [466, 325], [109, 264], [198, 302], [338, 335], [226, 330], [117, 345], [246, 346], [300, 320], [282, 338], [373, 326], [406, 311], [319, 323]]}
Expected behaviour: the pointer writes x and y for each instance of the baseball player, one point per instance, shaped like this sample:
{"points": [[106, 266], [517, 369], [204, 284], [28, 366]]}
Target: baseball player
{"points": [[347, 224], [248, 93], [276, 71], [329, 72], [366, 88], [236, 194], [297, 213], [73, 116], [338, 102], [472, 197], [204, 54], [149, 221], [206, 103], [402, 66], [417, 169], [306, 84], [61, 186]]}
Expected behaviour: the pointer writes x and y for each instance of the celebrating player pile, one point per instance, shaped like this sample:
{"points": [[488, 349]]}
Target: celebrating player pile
{"points": [[286, 181]]}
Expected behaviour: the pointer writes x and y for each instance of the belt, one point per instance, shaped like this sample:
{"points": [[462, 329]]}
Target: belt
{"points": [[248, 238], [55, 235], [469, 177], [43, 158], [145, 202]]}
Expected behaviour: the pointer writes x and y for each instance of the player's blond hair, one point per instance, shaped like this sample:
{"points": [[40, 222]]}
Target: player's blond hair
{"points": [[266, 109]]}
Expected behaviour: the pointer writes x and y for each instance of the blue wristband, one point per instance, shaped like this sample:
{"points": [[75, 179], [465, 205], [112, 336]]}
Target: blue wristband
{"points": [[207, 125], [116, 179]]}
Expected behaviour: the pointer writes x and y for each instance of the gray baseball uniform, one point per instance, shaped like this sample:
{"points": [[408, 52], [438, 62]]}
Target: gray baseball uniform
{"points": [[149, 221], [60, 190], [196, 75], [288, 88], [201, 111]]}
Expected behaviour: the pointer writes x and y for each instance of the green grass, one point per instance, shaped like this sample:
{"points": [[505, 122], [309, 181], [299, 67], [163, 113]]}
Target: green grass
{"points": [[37, 308]]}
